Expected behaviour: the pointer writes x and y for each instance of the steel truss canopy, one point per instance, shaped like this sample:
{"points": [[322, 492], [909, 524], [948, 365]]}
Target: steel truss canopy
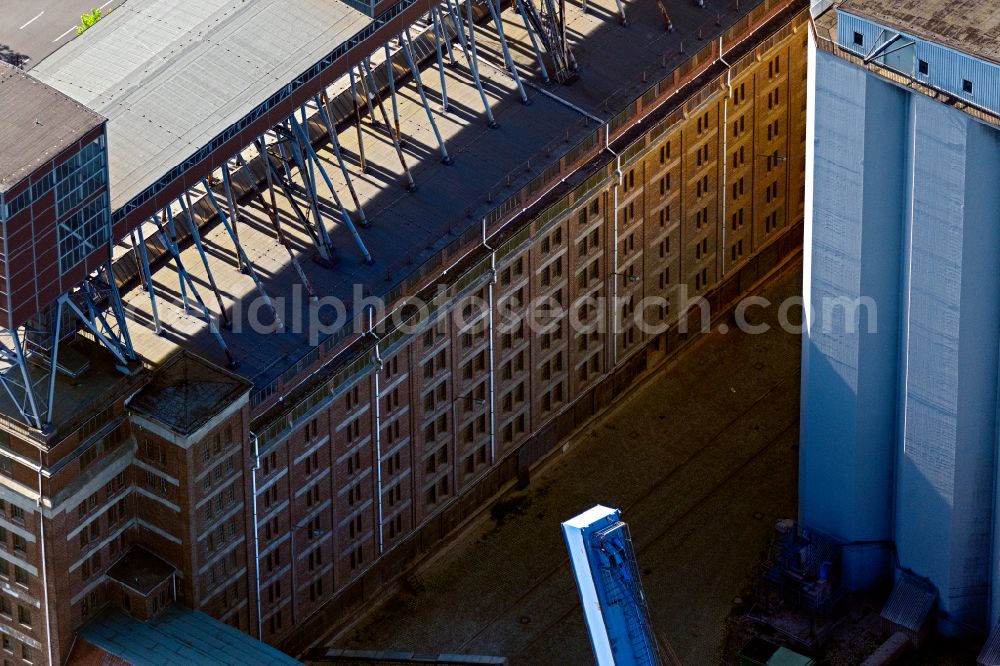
{"points": [[178, 78]]}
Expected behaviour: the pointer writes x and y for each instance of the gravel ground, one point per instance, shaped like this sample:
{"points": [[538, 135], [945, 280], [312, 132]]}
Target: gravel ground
{"points": [[701, 458]]}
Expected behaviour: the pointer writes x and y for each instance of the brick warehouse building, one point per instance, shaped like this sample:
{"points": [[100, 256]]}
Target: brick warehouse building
{"points": [[280, 506]]}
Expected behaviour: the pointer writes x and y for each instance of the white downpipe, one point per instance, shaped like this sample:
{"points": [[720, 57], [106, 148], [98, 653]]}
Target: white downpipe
{"points": [[493, 279], [725, 151], [614, 271], [256, 531], [45, 576], [378, 429]]}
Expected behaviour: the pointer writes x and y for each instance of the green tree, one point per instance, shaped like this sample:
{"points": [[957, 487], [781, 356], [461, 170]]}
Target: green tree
{"points": [[88, 19]]}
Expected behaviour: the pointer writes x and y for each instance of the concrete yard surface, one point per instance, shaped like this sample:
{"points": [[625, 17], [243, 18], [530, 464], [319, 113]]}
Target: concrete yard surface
{"points": [[702, 460]]}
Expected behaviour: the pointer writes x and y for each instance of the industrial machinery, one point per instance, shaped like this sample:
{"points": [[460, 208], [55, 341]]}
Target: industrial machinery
{"points": [[603, 560]]}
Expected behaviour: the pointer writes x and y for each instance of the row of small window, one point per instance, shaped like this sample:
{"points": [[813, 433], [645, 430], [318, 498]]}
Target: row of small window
{"points": [[434, 334], [511, 272], [552, 241], [16, 513], [474, 429], [391, 400], [703, 123], [590, 274], [437, 491], [592, 210], [221, 535], [393, 495], [91, 534], [218, 472], [553, 398], [701, 248], [513, 336], [356, 526], [223, 568], [157, 484], [438, 362], [550, 272], [86, 165], [475, 460], [589, 369], [771, 222], [736, 251], [91, 566], [107, 443], [29, 196], [628, 213], [217, 504], [627, 338], [514, 428], [20, 575], [436, 428], [23, 612], [771, 192], [702, 186], [923, 67], [77, 186], [391, 433], [220, 440], [27, 655], [701, 279], [83, 232]]}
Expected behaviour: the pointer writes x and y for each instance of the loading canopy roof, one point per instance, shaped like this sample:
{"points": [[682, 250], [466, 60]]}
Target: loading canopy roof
{"points": [[170, 75]]}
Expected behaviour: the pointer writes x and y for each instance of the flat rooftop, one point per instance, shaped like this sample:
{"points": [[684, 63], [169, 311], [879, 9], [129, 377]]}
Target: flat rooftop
{"points": [[140, 570], [187, 391], [170, 75], [178, 636], [969, 26], [37, 122], [409, 228]]}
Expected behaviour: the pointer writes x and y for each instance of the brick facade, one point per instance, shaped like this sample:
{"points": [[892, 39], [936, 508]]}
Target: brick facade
{"points": [[279, 523]]}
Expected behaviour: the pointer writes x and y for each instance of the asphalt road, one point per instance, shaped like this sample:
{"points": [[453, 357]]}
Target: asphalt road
{"points": [[32, 29]]}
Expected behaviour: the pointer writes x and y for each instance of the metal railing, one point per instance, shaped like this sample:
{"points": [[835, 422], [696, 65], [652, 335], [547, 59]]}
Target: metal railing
{"points": [[829, 46], [504, 214]]}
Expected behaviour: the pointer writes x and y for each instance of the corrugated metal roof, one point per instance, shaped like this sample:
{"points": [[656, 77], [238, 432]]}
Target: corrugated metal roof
{"points": [[37, 122], [969, 26], [170, 75], [910, 602], [179, 636], [990, 654]]}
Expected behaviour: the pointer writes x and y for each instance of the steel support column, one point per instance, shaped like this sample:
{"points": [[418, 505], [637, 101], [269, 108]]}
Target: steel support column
{"points": [[185, 202], [411, 186], [321, 238], [147, 277], [29, 389], [390, 75], [474, 65], [357, 122], [324, 112], [183, 277], [440, 60], [234, 213], [506, 52], [407, 43], [534, 41], [244, 259], [169, 215], [272, 177], [311, 155], [54, 361]]}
